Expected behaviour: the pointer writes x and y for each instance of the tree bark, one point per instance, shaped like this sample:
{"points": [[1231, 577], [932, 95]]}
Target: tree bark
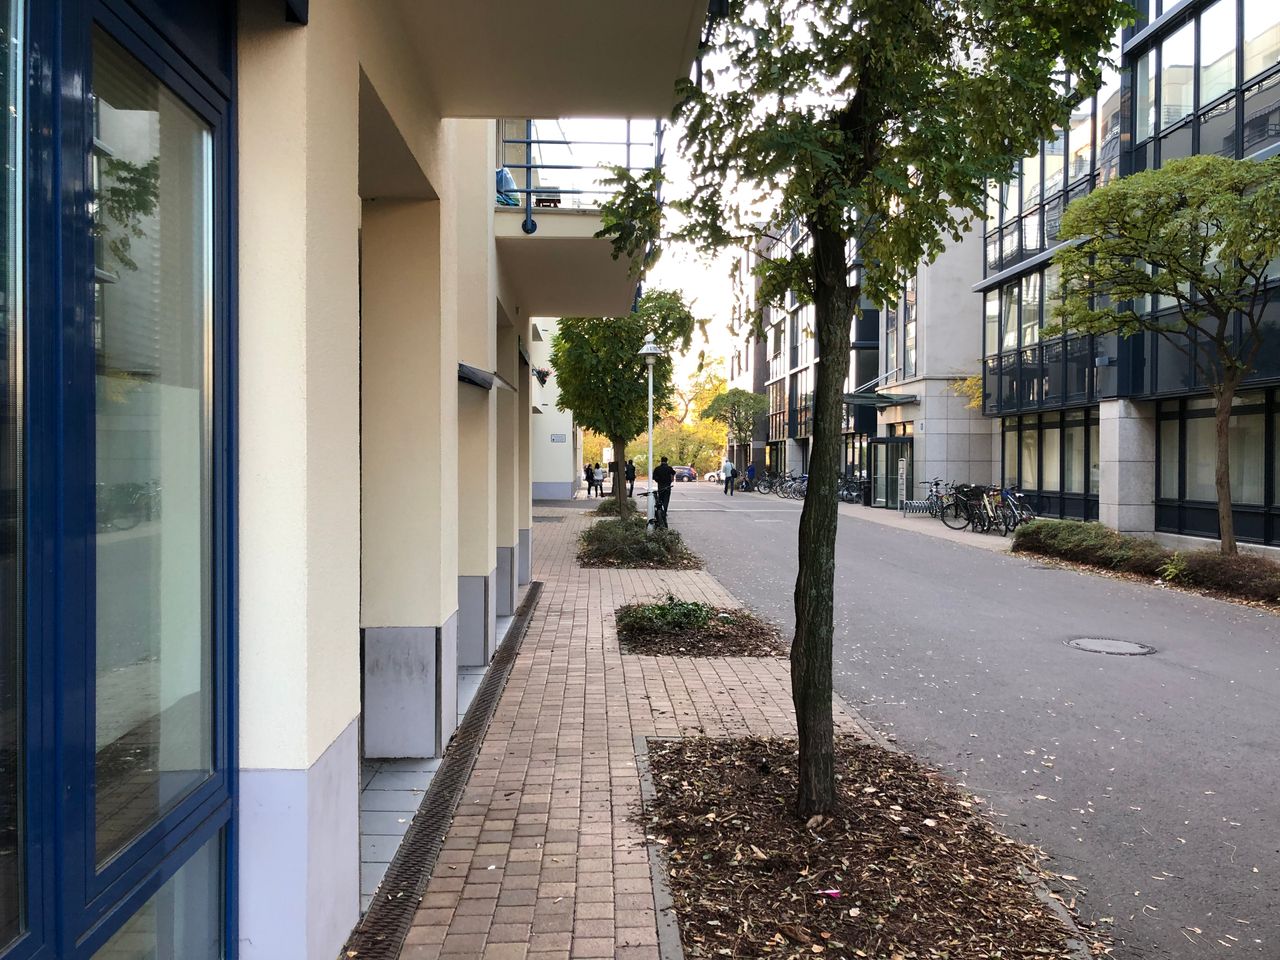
{"points": [[620, 474], [834, 303], [1223, 397]]}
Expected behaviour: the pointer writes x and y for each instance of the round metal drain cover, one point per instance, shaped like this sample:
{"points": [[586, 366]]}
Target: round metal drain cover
{"points": [[1115, 648]]}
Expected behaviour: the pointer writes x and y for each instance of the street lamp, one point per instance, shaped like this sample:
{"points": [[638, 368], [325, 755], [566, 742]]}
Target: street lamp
{"points": [[651, 352]]}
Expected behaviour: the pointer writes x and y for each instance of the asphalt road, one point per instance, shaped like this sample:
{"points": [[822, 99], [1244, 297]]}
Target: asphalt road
{"points": [[1153, 780]]}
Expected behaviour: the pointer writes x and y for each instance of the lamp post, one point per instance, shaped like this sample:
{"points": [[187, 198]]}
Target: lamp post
{"points": [[651, 352]]}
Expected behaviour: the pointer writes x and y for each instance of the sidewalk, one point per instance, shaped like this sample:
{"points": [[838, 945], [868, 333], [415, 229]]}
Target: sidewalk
{"points": [[543, 859]]}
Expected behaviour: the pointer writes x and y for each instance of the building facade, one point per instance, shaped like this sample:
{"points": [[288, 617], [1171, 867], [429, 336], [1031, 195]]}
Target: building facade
{"points": [[267, 419], [1121, 430]]}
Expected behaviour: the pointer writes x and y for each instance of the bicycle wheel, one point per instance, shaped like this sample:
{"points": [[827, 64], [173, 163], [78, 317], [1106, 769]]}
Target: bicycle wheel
{"points": [[954, 514], [1011, 518]]}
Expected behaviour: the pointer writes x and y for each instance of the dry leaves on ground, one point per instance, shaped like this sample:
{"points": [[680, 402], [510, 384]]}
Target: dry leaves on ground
{"points": [[907, 867]]}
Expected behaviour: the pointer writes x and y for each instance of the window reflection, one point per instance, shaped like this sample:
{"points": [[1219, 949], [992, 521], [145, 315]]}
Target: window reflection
{"points": [[1144, 104], [153, 692], [1218, 129], [1081, 161], [1261, 36], [1108, 163], [1177, 75], [1262, 115], [1217, 50]]}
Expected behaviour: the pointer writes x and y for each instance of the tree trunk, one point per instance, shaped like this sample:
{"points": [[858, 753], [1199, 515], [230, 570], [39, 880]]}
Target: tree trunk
{"points": [[811, 649], [619, 474], [1222, 469]]}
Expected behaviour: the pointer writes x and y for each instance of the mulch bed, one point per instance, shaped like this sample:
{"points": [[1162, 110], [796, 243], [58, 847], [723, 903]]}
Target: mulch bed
{"points": [[730, 632], [908, 867]]}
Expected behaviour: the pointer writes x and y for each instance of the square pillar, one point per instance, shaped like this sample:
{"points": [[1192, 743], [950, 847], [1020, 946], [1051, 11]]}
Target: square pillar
{"points": [[508, 473], [524, 478], [1127, 465], [409, 414]]}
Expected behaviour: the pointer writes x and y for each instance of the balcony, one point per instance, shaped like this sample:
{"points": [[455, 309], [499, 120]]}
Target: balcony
{"points": [[548, 211], [489, 59]]}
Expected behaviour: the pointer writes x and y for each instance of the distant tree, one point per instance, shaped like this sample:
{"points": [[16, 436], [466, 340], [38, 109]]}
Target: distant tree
{"points": [[1184, 252], [738, 410], [691, 397], [875, 125], [601, 375]]}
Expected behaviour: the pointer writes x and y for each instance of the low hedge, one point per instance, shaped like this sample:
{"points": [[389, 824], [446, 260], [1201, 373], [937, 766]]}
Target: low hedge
{"points": [[626, 543], [609, 507], [1243, 576]]}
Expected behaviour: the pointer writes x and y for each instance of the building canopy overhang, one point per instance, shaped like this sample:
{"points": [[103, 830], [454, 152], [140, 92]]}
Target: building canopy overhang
{"points": [[881, 401], [496, 58]]}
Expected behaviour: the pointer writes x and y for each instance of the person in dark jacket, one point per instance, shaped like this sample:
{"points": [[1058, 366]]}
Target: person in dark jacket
{"points": [[631, 478], [664, 477], [590, 477]]}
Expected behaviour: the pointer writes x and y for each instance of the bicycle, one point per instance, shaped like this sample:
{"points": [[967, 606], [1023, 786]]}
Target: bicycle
{"points": [[934, 500], [849, 489], [659, 521]]}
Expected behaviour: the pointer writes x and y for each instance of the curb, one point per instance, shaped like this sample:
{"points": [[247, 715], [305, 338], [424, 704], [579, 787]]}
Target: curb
{"points": [[669, 945]]}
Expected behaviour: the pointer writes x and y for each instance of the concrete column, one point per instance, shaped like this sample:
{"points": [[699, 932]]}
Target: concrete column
{"points": [[1127, 465], [524, 478], [508, 474], [409, 400], [298, 459], [470, 300]]}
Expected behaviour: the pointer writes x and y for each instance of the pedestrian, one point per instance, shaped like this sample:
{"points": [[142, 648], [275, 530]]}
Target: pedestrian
{"points": [[751, 476], [599, 475], [727, 473], [590, 477], [631, 478], [664, 477]]}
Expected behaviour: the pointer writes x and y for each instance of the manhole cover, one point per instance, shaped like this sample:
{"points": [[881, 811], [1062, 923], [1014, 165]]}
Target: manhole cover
{"points": [[1116, 648]]}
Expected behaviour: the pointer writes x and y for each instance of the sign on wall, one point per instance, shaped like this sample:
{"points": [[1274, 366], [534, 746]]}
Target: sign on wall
{"points": [[559, 438]]}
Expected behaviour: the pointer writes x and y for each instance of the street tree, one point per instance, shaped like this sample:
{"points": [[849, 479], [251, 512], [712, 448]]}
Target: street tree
{"points": [[738, 410], [602, 377], [1184, 252], [691, 397], [874, 125]]}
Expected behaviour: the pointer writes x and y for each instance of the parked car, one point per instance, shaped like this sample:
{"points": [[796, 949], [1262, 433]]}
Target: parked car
{"points": [[684, 474], [712, 477]]}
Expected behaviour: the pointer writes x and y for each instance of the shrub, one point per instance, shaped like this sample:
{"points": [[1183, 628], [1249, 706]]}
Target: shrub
{"points": [[609, 507], [668, 615], [1250, 577], [1245, 576], [625, 543], [1091, 543]]}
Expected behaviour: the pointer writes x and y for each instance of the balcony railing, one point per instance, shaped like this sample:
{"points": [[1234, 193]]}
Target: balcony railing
{"points": [[563, 164]]}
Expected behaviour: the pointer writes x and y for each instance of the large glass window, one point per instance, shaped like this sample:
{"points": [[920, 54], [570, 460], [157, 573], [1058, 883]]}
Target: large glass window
{"points": [[1051, 458], [1093, 458], [1218, 129], [1201, 459], [12, 755], [1030, 458], [1144, 103], [1217, 50], [1109, 101], [1169, 459], [182, 920], [153, 231], [1030, 309], [1248, 438], [1009, 316], [1177, 75], [1073, 454], [991, 322], [1081, 141], [909, 329], [1262, 115], [1261, 36]]}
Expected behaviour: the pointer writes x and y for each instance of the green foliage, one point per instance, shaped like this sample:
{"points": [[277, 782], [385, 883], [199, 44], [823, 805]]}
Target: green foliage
{"points": [[1195, 240], [1174, 569], [128, 194], [668, 615], [1241, 575], [738, 410], [1197, 235], [599, 370], [626, 543], [691, 398], [609, 507], [972, 389]]}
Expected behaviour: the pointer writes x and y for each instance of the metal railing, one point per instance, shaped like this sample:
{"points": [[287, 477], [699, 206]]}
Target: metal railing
{"points": [[563, 164]]}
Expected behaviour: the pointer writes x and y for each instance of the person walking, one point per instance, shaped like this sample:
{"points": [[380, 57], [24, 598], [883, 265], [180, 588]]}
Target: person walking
{"points": [[728, 472], [631, 478], [599, 475], [664, 477], [751, 476], [590, 477]]}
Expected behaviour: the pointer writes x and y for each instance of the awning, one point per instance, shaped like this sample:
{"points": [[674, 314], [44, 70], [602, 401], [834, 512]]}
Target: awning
{"points": [[879, 400], [483, 379]]}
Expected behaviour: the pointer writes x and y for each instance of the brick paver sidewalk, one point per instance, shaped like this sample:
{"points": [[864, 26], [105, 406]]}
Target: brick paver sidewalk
{"points": [[544, 858]]}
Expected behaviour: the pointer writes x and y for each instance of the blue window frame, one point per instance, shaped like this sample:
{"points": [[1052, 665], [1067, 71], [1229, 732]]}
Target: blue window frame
{"points": [[78, 895]]}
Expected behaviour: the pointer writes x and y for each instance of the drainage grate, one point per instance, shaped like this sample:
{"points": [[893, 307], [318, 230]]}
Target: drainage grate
{"points": [[380, 934], [1114, 648]]}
